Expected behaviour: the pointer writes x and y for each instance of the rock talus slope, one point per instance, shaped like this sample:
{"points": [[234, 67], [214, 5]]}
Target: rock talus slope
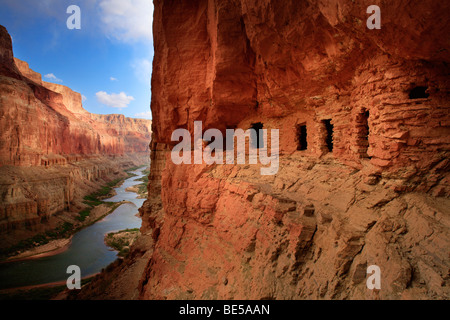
{"points": [[378, 196]]}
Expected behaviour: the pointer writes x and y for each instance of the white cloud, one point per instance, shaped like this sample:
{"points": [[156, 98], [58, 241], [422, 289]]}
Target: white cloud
{"points": [[52, 77], [142, 69], [145, 115], [114, 100], [113, 79], [83, 98], [127, 20]]}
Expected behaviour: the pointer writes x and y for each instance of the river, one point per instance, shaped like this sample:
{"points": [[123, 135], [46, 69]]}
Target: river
{"points": [[87, 249]]}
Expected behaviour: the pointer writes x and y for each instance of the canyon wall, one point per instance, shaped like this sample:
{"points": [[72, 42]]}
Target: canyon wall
{"points": [[52, 151], [364, 124]]}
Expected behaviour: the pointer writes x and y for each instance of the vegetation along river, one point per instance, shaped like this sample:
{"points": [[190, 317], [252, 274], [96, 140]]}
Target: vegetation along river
{"points": [[87, 249]]}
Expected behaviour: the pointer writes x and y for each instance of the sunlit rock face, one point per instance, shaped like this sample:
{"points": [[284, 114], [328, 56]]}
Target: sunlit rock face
{"points": [[363, 117]]}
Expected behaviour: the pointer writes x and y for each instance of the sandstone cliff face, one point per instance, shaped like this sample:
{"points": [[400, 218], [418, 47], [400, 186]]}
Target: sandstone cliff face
{"points": [[136, 133], [50, 145], [379, 196], [25, 70]]}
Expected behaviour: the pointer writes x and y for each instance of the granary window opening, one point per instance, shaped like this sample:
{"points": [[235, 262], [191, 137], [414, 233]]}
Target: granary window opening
{"points": [[419, 92], [363, 136], [259, 143], [329, 134], [302, 141]]}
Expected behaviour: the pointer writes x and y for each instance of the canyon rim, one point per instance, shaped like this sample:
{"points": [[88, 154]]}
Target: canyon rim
{"points": [[363, 175]]}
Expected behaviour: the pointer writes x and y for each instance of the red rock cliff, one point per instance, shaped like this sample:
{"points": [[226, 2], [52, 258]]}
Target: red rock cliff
{"points": [[377, 196]]}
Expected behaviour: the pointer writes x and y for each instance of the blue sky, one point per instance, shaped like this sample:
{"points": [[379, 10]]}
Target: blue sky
{"points": [[108, 60]]}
